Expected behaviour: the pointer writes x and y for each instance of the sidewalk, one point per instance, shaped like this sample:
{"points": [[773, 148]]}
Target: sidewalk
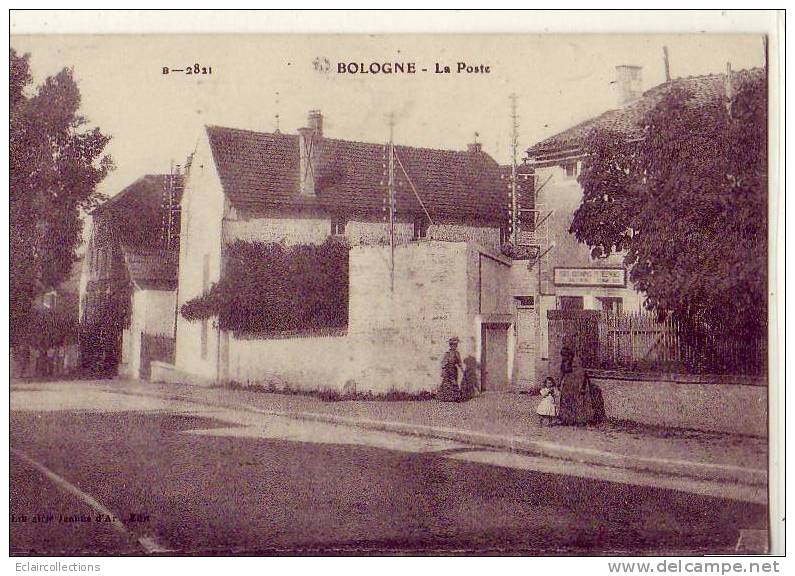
{"points": [[507, 421]]}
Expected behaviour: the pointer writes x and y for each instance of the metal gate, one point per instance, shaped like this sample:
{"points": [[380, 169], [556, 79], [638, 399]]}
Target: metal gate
{"points": [[160, 348]]}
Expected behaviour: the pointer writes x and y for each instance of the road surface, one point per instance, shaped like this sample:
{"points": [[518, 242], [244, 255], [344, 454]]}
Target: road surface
{"points": [[97, 472]]}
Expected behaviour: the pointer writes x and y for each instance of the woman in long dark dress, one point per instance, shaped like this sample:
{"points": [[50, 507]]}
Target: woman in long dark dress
{"points": [[576, 405], [451, 364]]}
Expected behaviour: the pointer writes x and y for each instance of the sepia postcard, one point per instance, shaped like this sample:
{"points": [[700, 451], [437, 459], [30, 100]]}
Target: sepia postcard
{"points": [[394, 294]]}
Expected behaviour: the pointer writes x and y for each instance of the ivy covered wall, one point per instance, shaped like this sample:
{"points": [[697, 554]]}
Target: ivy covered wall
{"points": [[272, 288]]}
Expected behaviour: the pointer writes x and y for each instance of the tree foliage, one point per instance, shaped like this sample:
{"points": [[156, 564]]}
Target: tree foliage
{"points": [[52, 328], [108, 313], [269, 287], [687, 204], [56, 162]]}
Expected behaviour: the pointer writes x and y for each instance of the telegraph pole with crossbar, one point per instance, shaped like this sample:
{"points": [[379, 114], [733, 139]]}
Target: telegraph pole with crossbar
{"points": [[514, 195], [391, 185]]}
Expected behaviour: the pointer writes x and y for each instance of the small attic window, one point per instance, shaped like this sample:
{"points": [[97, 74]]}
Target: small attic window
{"points": [[571, 169], [338, 226], [420, 227]]}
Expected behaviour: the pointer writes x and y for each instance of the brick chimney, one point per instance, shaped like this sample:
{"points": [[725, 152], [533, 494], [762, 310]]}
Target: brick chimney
{"points": [[308, 139], [315, 121], [629, 84]]}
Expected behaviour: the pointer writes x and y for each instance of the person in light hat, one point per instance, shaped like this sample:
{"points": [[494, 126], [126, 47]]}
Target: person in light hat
{"points": [[451, 364]]}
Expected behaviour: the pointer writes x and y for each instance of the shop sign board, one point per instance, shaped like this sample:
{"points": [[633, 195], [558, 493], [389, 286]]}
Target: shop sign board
{"points": [[595, 277]]}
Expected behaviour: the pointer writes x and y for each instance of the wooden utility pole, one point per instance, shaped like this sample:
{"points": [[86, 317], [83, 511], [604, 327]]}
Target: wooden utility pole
{"points": [[667, 64], [764, 50], [514, 148], [391, 202], [277, 113]]}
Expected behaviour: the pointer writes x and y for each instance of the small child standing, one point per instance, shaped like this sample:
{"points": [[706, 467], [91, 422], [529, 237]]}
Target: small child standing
{"points": [[548, 407]]}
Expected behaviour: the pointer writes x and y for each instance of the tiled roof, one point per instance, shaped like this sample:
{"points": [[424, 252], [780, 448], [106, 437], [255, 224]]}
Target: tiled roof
{"points": [[151, 269], [261, 170], [146, 193], [626, 119], [136, 212]]}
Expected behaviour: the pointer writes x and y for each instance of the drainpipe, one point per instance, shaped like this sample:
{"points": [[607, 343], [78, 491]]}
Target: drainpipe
{"points": [[220, 276], [218, 354]]}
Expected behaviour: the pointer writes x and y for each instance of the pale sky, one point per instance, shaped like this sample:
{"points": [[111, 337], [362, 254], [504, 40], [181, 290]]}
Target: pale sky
{"points": [[559, 81]]}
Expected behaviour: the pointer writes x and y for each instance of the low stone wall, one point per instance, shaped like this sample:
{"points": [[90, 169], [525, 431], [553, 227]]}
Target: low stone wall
{"points": [[303, 363], [342, 363], [716, 405], [170, 374]]}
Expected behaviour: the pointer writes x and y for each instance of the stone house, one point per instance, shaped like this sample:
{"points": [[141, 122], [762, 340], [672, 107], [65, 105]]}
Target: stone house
{"points": [[568, 278], [129, 276], [451, 209]]}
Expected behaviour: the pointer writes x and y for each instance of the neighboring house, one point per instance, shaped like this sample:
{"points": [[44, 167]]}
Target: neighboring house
{"points": [[568, 277], [301, 189], [150, 333], [129, 275]]}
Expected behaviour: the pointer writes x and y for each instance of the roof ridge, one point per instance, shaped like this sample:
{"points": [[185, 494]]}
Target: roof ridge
{"points": [[347, 141], [116, 198], [568, 138], [249, 131]]}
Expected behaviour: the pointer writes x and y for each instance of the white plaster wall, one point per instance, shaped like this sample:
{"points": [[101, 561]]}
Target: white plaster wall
{"points": [[523, 282], [289, 231], [157, 309], [495, 283], [296, 229], [404, 332], [200, 235], [489, 283], [285, 361], [563, 194], [152, 312]]}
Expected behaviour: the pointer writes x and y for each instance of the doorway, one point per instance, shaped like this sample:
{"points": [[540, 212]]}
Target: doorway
{"points": [[571, 303], [526, 346], [494, 357]]}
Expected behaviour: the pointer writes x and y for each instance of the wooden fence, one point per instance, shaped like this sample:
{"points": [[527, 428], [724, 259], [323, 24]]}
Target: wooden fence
{"points": [[638, 342]]}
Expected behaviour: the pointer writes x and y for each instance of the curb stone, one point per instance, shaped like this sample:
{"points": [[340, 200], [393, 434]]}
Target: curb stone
{"points": [[697, 470], [669, 467]]}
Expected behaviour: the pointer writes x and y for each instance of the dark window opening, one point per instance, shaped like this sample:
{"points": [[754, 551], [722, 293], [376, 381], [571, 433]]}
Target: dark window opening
{"points": [[420, 228], [338, 227], [571, 303], [612, 304], [505, 235], [525, 302], [571, 169]]}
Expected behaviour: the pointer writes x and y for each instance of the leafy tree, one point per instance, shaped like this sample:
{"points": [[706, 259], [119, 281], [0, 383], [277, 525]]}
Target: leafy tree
{"points": [[56, 162], [686, 199]]}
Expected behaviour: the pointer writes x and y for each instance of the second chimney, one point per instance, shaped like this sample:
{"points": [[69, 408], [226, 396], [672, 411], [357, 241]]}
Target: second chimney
{"points": [[308, 139], [629, 84], [315, 122]]}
